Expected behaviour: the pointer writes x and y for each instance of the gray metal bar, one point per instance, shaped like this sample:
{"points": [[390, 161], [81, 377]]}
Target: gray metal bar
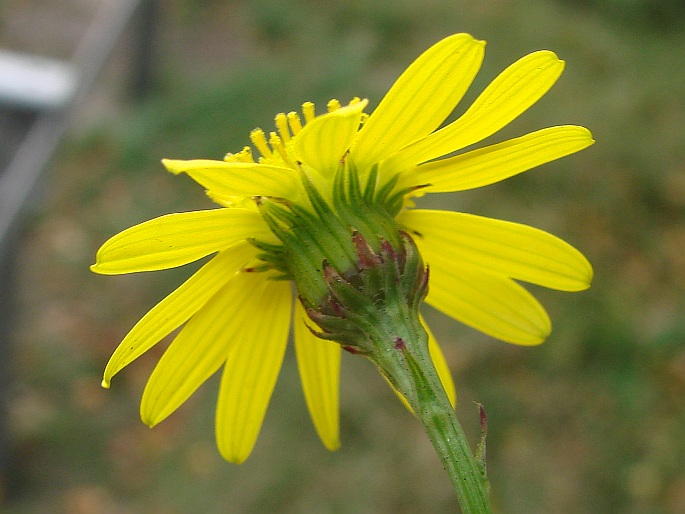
{"points": [[31, 158]]}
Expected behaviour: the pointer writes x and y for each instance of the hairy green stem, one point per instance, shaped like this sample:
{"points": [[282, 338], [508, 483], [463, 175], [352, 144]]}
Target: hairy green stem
{"points": [[373, 310], [410, 369]]}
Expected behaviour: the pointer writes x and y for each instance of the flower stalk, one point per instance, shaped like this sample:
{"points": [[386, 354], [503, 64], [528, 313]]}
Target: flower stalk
{"points": [[375, 313], [428, 400]]}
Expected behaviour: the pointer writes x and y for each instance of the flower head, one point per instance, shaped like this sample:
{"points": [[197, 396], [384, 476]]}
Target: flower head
{"points": [[329, 197]]}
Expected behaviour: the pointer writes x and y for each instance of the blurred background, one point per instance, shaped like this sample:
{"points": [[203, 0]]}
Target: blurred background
{"points": [[592, 421]]}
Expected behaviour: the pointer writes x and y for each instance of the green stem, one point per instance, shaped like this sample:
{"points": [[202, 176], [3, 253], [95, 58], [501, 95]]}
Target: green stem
{"points": [[410, 369], [371, 307]]}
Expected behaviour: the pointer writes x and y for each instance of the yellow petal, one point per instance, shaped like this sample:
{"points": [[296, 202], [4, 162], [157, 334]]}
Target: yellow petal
{"points": [[323, 142], [319, 363], [498, 247], [203, 345], [504, 99], [492, 304], [441, 365], [420, 100], [176, 239], [238, 178], [253, 364], [178, 307], [497, 162]]}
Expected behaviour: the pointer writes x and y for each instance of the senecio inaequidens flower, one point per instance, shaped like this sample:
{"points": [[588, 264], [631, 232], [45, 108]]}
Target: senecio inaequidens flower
{"points": [[325, 206]]}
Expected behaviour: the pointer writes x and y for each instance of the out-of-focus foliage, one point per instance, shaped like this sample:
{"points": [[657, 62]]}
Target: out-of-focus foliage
{"points": [[647, 14]]}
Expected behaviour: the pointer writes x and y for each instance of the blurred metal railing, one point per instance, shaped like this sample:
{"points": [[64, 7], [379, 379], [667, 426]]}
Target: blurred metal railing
{"points": [[38, 98], [42, 113]]}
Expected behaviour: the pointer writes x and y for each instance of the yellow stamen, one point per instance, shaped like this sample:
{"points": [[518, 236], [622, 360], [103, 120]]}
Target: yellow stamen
{"points": [[282, 126], [277, 144], [333, 105], [355, 100], [259, 140], [294, 122], [308, 111], [245, 155]]}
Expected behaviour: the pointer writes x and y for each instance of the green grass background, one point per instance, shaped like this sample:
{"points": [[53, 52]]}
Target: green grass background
{"points": [[593, 421]]}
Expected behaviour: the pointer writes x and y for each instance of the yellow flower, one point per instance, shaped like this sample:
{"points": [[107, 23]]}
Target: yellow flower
{"points": [[237, 309]]}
